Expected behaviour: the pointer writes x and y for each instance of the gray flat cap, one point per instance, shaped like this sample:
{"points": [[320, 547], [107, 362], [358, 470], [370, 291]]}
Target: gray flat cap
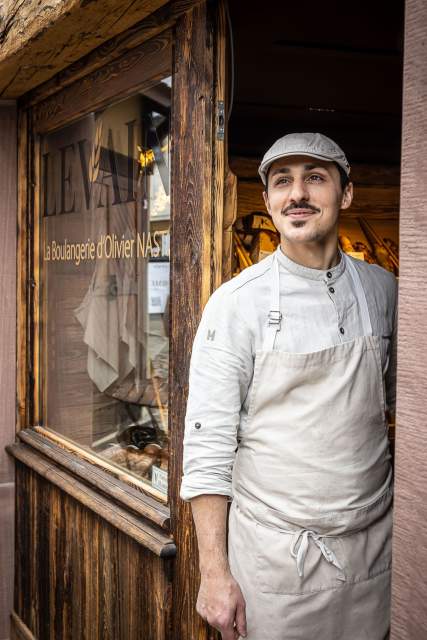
{"points": [[315, 145]]}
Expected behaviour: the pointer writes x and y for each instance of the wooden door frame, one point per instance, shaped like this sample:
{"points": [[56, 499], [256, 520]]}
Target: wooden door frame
{"points": [[198, 161], [198, 176]]}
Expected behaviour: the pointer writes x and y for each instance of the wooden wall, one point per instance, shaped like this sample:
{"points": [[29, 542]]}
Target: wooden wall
{"points": [[85, 567], [78, 577], [7, 354], [409, 598]]}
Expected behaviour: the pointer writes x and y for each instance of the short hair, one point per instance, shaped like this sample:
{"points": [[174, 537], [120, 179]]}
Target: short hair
{"points": [[344, 179]]}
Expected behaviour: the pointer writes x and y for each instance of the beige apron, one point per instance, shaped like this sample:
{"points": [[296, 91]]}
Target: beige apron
{"points": [[311, 518]]}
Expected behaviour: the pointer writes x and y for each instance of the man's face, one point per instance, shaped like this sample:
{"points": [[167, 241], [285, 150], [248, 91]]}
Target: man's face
{"points": [[304, 198]]}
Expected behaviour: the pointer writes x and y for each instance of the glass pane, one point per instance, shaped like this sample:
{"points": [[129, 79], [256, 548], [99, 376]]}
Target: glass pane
{"points": [[105, 282]]}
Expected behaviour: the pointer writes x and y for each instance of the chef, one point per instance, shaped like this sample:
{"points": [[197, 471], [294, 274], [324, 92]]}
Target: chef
{"points": [[292, 375]]}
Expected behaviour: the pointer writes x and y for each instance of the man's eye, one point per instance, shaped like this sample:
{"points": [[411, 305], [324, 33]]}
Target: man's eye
{"points": [[315, 178], [282, 181]]}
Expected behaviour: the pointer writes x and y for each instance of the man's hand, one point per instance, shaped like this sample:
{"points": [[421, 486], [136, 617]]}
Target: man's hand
{"points": [[221, 604], [220, 600]]}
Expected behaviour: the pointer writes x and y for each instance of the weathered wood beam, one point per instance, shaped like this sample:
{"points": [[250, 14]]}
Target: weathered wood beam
{"points": [[39, 39], [156, 23], [145, 534], [247, 168]]}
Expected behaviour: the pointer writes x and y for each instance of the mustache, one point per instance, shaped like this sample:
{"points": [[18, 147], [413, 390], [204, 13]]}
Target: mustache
{"points": [[299, 205]]}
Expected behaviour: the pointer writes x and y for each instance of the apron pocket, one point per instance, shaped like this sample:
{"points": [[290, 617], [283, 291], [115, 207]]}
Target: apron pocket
{"points": [[368, 552], [363, 555], [277, 569]]}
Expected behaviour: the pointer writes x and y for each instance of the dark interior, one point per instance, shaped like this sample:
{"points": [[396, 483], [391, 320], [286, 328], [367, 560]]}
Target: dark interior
{"points": [[328, 66]]}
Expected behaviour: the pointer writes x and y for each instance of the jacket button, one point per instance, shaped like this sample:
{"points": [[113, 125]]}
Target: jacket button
{"points": [[331, 289], [329, 274], [197, 425], [341, 330]]}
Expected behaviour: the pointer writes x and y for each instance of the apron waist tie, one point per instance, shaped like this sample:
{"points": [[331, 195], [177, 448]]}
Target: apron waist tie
{"points": [[299, 549]]}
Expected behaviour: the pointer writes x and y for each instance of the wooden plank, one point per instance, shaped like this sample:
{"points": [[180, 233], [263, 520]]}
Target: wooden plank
{"points": [[154, 24], [409, 587], [220, 146], [145, 534], [191, 247], [19, 630], [40, 39], [230, 213], [115, 470], [22, 271], [37, 317], [82, 577], [119, 491], [140, 68]]}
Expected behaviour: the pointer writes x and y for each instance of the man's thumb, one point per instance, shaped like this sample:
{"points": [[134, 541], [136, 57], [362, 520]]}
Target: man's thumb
{"points": [[241, 618]]}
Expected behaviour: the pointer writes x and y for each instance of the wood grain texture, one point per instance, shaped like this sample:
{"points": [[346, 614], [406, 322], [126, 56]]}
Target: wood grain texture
{"points": [[142, 532], [39, 39], [23, 233], [219, 147], [191, 247], [409, 586], [120, 492], [139, 68], [19, 630], [230, 214], [157, 22], [80, 577], [85, 454]]}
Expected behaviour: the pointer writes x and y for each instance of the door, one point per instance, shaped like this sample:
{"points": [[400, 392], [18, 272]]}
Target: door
{"points": [[119, 247]]}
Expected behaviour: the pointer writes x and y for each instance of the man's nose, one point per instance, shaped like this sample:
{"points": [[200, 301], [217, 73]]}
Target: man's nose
{"points": [[299, 190]]}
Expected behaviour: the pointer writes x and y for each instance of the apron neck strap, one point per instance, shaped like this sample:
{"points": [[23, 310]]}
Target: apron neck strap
{"points": [[275, 315]]}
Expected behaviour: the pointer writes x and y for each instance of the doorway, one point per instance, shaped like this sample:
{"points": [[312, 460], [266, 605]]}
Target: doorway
{"points": [[333, 69]]}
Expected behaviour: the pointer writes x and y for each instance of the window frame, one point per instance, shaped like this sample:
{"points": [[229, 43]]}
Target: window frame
{"points": [[141, 67]]}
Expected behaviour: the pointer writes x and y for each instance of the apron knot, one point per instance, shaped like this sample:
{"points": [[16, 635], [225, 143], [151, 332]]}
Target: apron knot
{"points": [[299, 549]]}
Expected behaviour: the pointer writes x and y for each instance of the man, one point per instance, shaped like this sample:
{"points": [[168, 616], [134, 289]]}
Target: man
{"points": [[292, 372]]}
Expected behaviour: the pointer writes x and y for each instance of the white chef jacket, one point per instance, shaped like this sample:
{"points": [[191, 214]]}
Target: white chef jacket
{"points": [[319, 309]]}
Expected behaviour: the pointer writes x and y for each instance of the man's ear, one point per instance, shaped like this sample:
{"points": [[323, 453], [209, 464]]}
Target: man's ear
{"points": [[347, 196], [266, 201]]}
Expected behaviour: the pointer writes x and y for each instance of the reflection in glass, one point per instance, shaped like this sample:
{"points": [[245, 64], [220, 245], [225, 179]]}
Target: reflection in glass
{"points": [[105, 282]]}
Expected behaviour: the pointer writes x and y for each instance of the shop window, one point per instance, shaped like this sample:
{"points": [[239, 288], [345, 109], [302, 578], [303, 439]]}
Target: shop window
{"points": [[104, 283]]}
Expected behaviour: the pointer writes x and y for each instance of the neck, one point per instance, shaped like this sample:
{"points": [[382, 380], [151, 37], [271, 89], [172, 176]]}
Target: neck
{"points": [[312, 255]]}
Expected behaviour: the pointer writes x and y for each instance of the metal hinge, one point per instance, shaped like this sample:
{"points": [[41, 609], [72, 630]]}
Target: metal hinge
{"points": [[220, 120]]}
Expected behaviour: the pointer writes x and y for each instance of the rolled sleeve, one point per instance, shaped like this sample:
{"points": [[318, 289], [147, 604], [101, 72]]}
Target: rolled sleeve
{"points": [[220, 372]]}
